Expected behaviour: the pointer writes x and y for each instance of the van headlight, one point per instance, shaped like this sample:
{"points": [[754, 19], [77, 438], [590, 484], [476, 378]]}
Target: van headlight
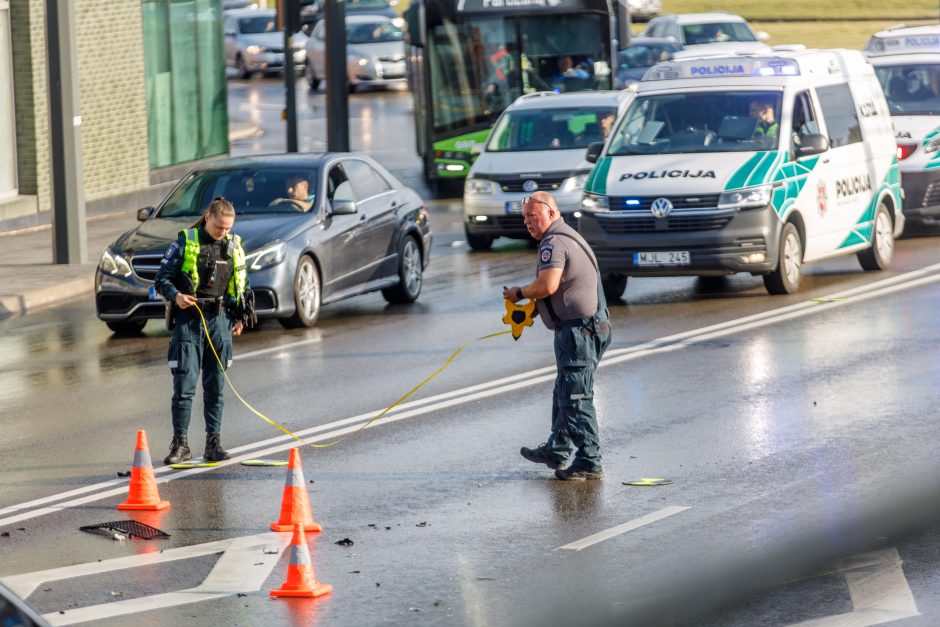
{"points": [[574, 183], [478, 186], [266, 256], [747, 198], [114, 264], [933, 145], [594, 202]]}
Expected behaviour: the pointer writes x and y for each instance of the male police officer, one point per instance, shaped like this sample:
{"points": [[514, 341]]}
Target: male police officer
{"points": [[204, 266], [570, 301]]}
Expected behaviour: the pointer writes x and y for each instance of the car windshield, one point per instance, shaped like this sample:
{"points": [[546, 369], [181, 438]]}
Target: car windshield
{"points": [[255, 25], [694, 34], [701, 121], [365, 5], [373, 32], [911, 89], [640, 56], [550, 129], [250, 190]]}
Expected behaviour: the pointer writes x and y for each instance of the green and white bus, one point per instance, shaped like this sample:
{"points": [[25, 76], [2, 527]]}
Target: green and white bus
{"points": [[470, 59]]}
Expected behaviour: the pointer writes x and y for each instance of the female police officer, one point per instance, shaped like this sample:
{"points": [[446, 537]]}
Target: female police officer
{"points": [[204, 266]]}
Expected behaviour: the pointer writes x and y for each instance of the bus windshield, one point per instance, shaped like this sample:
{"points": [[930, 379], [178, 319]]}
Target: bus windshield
{"points": [[549, 129], [479, 66], [911, 89], [701, 121]]}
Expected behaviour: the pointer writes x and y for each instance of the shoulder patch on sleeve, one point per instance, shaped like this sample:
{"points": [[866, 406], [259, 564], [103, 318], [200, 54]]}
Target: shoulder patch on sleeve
{"points": [[545, 255], [171, 250]]}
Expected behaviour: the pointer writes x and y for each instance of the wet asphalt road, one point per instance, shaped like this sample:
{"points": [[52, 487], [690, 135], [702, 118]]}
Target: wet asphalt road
{"points": [[778, 437]]}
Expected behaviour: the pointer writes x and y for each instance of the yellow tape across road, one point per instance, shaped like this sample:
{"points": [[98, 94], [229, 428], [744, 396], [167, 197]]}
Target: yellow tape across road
{"points": [[366, 424]]}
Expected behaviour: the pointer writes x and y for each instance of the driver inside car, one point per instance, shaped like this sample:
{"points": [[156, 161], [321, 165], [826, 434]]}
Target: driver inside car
{"points": [[298, 193]]}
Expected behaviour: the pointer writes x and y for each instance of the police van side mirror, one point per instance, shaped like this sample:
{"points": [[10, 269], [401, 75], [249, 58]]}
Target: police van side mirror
{"points": [[343, 208], [146, 212], [593, 152], [813, 144]]}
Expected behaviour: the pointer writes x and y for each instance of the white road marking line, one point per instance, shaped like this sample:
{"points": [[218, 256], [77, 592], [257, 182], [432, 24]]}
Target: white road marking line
{"points": [[237, 570], [636, 523], [279, 348], [491, 388], [878, 589]]}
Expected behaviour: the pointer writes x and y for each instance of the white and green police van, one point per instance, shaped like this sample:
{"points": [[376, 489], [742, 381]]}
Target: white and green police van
{"points": [[907, 63], [755, 164]]}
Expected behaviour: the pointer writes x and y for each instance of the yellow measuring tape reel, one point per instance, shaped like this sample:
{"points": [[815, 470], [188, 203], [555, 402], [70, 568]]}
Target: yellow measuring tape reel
{"points": [[513, 314]]}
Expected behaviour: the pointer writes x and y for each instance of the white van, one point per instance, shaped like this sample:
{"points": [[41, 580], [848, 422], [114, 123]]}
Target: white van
{"points": [[537, 144], [907, 63], [746, 164]]}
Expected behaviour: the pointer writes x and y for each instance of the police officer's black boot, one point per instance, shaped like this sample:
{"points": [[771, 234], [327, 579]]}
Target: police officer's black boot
{"points": [[179, 451], [214, 451]]}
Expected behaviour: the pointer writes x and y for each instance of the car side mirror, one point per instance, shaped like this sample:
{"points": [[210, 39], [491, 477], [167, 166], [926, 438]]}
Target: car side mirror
{"points": [[343, 208], [762, 35], [593, 152], [230, 33], [146, 212], [812, 144]]}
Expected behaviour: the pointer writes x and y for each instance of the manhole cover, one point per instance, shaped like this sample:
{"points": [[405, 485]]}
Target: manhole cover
{"points": [[130, 528]]}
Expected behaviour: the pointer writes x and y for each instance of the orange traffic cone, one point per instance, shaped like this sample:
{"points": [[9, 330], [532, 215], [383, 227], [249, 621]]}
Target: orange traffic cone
{"points": [[295, 504], [301, 580], [143, 493]]}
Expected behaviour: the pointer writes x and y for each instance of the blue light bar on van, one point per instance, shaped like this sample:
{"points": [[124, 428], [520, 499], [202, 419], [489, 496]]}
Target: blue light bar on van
{"points": [[901, 43], [726, 67]]}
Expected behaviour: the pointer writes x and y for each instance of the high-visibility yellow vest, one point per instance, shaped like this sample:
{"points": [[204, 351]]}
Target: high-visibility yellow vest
{"points": [[239, 278]]}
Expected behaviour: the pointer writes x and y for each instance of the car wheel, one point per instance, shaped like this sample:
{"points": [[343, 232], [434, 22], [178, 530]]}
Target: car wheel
{"points": [[785, 278], [409, 274], [306, 295], [312, 79], [243, 71], [479, 242], [126, 327], [614, 286], [352, 87], [878, 257]]}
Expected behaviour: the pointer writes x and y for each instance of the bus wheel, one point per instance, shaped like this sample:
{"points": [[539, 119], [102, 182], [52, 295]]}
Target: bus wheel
{"points": [[785, 278], [614, 286], [478, 242], [878, 257]]}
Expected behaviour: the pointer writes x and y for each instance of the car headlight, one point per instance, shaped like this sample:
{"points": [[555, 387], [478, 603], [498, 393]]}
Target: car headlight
{"points": [[478, 186], [594, 202], [266, 256], [574, 183], [358, 59], [747, 198], [399, 22], [255, 49], [933, 145], [114, 264]]}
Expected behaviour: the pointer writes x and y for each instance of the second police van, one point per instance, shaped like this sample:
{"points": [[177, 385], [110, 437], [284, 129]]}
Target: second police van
{"points": [[907, 63], [752, 164]]}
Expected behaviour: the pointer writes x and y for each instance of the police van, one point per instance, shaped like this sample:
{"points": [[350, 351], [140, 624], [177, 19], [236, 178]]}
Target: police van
{"points": [[755, 164], [537, 144], [907, 63]]}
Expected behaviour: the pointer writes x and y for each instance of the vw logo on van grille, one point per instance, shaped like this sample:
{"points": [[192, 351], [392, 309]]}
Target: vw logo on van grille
{"points": [[530, 186], [661, 207]]}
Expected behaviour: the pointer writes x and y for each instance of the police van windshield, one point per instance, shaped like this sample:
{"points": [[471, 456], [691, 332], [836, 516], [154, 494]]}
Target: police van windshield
{"points": [[551, 129], [250, 190], [911, 89], [700, 121]]}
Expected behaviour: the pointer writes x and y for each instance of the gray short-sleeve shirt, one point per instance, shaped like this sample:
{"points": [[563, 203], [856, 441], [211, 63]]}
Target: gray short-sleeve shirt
{"points": [[576, 297]]}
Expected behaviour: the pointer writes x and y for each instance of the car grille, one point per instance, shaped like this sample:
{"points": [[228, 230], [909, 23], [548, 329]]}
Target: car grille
{"points": [[643, 203], [146, 266], [265, 301], [393, 59], [515, 185], [617, 225]]}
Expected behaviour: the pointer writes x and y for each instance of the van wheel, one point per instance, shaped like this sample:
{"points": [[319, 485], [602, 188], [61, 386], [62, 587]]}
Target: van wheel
{"points": [[614, 286], [307, 296], [478, 242], [878, 257], [785, 279]]}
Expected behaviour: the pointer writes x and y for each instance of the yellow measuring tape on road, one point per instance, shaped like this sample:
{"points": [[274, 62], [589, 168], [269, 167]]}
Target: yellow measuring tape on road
{"points": [[447, 363]]}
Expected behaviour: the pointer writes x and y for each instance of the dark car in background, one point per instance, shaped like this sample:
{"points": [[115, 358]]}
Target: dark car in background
{"points": [[359, 230], [642, 54]]}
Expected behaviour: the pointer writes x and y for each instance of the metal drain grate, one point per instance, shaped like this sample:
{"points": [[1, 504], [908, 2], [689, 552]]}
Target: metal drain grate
{"points": [[128, 528]]}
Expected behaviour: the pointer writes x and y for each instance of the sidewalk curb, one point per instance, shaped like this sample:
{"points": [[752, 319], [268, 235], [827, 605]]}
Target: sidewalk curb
{"points": [[31, 300]]}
